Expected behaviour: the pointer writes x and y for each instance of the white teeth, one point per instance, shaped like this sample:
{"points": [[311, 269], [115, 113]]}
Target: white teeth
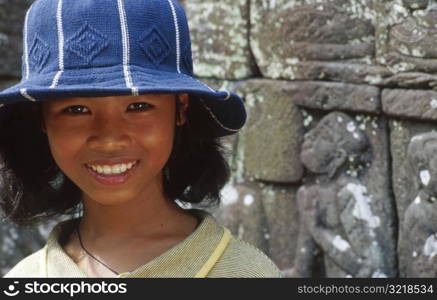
{"points": [[106, 170], [115, 169]]}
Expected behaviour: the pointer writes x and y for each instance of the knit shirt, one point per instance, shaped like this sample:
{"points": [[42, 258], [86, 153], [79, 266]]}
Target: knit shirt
{"points": [[209, 251]]}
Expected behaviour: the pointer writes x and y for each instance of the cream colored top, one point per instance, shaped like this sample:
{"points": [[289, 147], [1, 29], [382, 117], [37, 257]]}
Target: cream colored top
{"points": [[210, 251]]}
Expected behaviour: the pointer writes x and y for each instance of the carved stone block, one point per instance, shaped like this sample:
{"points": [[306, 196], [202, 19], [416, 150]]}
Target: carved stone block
{"points": [[243, 213], [416, 104], [418, 239], [406, 189], [219, 31], [265, 215], [405, 40], [345, 206], [315, 40], [273, 133], [281, 212], [331, 96]]}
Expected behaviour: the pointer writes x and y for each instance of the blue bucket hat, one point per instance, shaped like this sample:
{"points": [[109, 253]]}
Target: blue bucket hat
{"points": [[98, 48]]}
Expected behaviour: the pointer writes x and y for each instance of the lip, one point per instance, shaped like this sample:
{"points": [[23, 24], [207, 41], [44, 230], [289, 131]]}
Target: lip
{"points": [[113, 179]]}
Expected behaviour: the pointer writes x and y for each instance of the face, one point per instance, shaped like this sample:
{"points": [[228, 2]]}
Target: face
{"points": [[317, 151], [113, 148]]}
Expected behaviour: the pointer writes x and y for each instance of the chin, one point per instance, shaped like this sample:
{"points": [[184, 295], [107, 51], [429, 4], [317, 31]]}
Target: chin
{"points": [[111, 197]]}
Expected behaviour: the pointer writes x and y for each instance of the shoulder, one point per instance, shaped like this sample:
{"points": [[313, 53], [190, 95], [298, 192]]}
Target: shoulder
{"points": [[242, 260], [29, 266]]}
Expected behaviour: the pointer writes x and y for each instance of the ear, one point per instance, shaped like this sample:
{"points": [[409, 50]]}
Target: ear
{"points": [[183, 106], [337, 161]]}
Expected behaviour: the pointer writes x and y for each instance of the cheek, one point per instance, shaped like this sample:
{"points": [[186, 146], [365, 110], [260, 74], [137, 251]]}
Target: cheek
{"points": [[157, 141], [64, 148]]}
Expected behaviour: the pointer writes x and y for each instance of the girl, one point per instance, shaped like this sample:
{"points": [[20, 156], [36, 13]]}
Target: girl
{"points": [[109, 116]]}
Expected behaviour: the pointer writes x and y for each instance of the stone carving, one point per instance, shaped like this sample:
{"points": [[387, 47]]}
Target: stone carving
{"points": [[271, 114], [407, 39], [336, 210], [220, 34], [315, 40], [418, 242], [398, 103], [264, 215]]}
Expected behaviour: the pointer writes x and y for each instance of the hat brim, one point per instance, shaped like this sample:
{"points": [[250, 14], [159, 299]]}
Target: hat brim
{"points": [[225, 108]]}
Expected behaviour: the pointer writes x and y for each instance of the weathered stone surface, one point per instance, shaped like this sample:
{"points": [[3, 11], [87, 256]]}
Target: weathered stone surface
{"points": [[418, 104], [404, 188], [272, 135], [401, 133], [220, 35], [331, 96], [264, 215], [279, 202], [405, 35], [287, 36], [369, 178], [378, 182], [11, 23], [411, 80], [243, 213], [417, 241], [343, 72]]}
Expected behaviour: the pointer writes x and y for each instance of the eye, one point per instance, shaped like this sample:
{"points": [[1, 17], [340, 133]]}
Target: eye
{"points": [[140, 106], [76, 110]]}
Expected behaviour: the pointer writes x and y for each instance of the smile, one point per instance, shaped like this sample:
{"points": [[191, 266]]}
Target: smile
{"points": [[114, 169], [114, 174]]}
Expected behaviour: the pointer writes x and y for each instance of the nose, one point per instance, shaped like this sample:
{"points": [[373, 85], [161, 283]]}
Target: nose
{"points": [[109, 135]]}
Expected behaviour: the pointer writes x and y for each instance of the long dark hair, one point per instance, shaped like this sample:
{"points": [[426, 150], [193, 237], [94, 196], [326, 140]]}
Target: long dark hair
{"points": [[195, 172]]}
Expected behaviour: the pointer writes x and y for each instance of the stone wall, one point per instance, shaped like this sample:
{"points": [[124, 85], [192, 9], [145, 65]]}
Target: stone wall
{"points": [[333, 174]]}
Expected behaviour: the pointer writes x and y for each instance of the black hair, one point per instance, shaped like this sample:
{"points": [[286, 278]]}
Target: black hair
{"points": [[195, 172]]}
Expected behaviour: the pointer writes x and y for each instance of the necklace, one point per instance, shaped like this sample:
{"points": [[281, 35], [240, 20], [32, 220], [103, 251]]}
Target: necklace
{"points": [[89, 253]]}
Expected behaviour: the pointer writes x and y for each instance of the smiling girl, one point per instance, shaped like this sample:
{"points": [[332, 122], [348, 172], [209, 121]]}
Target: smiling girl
{"points": [[109, 120]]}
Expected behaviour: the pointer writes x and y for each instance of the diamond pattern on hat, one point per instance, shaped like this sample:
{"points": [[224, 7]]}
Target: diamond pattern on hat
{"points": [[87, 43], [38, 54], [155, 46]]}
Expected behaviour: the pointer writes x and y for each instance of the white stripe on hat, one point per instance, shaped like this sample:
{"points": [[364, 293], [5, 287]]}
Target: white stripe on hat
{"points": [[60, 46], [126, 48], [24, 93], [178, 44], [26, 50]]}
